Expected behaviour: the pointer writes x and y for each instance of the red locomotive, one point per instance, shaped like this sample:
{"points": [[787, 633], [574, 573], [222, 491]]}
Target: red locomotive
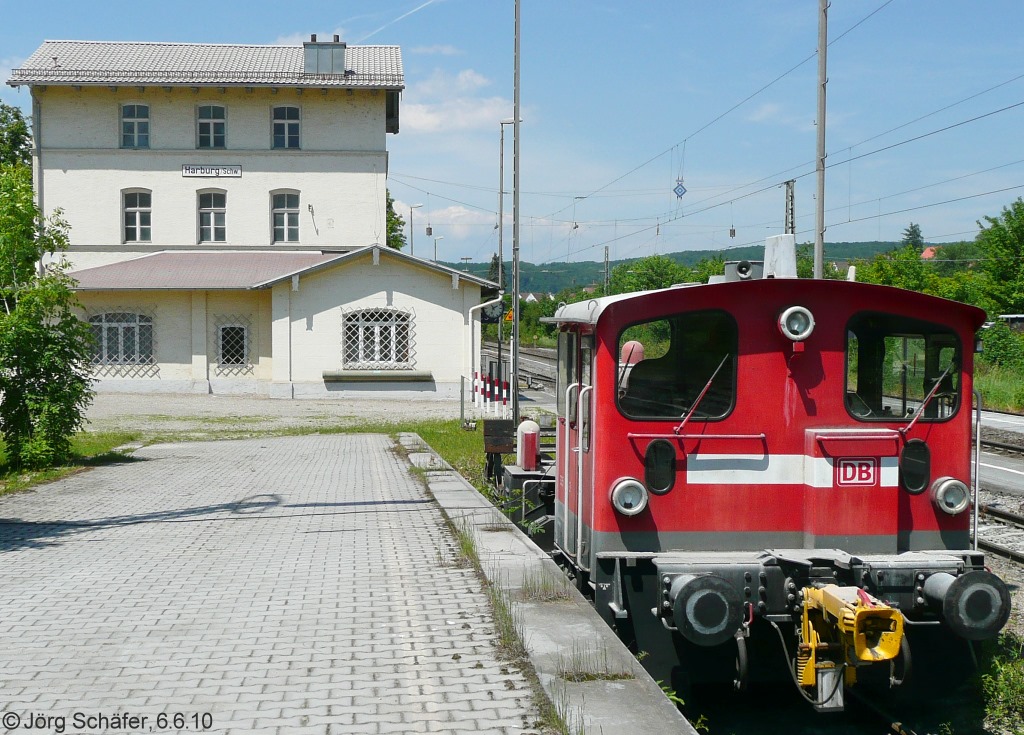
{"points": [[767, 470]]}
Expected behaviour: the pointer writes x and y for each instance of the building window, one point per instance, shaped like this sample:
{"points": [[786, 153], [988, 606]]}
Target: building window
{"points": [[211, 126], [122, 338], [285, 216], [232, 345], [211, 216], [135, 126], [286, 127], [377, 339], [138, 215]]}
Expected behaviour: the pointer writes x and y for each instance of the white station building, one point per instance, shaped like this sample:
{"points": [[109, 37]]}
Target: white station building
{"points": [[227, 206]]}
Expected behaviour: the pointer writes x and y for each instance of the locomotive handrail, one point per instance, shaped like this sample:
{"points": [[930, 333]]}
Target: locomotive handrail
{"points": [[565, 472], [584, 390], [977, 465], [760, 437]]}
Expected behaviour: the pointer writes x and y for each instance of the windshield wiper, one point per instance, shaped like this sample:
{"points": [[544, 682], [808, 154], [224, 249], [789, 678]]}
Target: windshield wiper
{"points": [[625, 369], [926, 401], [700, 397]]}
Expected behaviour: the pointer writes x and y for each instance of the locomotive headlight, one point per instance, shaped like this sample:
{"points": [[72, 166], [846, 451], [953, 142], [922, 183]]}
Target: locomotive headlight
{"points": [[629, 496], [796, 323], [950, 495]]}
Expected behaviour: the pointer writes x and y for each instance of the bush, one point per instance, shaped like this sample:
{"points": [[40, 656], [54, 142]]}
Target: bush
{"points": [[1003, 347]]}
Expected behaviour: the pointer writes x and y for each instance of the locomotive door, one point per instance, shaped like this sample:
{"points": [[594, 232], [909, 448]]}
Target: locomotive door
{"points": [[575, 356]]}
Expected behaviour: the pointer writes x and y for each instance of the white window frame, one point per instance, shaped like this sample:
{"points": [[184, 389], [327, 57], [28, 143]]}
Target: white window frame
{"points": [[117, 325], [378, 338], [206, 127], [137, 218], [286, 124], [288, 215], [216, 216], [134, 126]]}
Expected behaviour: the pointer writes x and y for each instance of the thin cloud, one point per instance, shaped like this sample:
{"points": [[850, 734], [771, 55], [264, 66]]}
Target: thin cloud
{"points": [[437, 50], [401, 17], [452, 102]]}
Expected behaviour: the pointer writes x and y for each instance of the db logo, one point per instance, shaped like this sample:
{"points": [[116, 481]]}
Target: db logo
{"points": [[857, 471]]}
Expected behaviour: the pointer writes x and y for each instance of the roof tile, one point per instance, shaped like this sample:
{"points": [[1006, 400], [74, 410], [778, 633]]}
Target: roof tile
{"points": [[103, 62]]}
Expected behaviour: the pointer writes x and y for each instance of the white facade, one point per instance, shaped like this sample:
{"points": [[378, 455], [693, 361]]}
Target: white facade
{"points": [[339, 174], [219, 151]]}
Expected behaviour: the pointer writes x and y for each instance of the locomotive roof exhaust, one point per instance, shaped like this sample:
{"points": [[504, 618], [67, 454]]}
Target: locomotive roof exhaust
{"points": [[779, 262]]}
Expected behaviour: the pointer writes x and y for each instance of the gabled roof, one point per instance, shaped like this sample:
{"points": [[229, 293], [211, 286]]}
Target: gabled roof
{"points": [[230, 270], [102, 62]]}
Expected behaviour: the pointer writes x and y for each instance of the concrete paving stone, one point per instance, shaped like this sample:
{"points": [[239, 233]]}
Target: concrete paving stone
{"points": [[246, 578]]}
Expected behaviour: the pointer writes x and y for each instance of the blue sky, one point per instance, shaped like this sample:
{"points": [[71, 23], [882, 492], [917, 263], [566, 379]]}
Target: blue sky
{"points": [[622, 99]]}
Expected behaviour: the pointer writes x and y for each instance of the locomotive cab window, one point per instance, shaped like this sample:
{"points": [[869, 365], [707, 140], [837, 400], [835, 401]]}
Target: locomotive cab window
{"points": [[682, 365], [893, 365]]}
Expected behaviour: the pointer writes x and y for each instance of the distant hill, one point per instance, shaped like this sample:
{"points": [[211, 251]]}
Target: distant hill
{"points": [[553, 277]]}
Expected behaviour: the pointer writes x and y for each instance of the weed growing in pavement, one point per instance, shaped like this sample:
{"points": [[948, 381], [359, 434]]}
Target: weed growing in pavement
{"points": [[556, 717], [585, 663], [539, 586]]}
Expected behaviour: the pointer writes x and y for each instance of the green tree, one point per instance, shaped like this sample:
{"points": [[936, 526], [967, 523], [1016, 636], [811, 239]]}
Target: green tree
{"points": [[912, 236], [45, 385], [15, 141], [645, 274], [492, 271], [396, 226], [1002, 243], [902, 268]]}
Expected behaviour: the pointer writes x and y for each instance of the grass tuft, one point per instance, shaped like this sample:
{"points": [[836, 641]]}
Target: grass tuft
{"points": [[586, 663]]}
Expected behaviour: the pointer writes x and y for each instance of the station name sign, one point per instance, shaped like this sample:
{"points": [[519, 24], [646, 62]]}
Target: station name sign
{"points": [[189, 170]]}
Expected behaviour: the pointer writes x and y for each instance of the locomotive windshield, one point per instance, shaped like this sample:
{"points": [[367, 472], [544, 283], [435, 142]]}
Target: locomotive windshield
{"points": [[894, 362], [665, 364]]}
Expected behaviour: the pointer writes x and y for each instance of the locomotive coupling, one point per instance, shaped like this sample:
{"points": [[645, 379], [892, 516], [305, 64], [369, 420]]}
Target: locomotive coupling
{"points": [[706, 608], [843, 628], [976, 605]]}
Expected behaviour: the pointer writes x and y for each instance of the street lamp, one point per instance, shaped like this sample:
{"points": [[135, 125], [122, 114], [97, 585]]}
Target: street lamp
{"points": [[412, 230], [440, 237]]}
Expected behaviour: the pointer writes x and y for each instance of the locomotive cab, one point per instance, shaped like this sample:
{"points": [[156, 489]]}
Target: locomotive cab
{"points": [[767, 460]]}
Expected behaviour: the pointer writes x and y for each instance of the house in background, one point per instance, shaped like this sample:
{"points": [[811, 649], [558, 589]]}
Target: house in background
{"points": [[227, 206]]}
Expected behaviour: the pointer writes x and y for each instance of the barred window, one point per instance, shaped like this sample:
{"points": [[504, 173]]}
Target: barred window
{"points": [[211, 126], [138, 214], [379, 339], [122, 338], [135, 126], [234, 344]]}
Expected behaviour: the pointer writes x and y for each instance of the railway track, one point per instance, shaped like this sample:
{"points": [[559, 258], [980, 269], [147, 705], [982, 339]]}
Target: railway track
{"points": [[1001, 533]]}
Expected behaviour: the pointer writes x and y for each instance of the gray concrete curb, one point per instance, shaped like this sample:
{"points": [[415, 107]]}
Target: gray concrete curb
{"points": [[556, 633]]}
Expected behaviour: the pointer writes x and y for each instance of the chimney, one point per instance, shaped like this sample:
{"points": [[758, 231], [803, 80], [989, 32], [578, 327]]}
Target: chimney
{"points": [[324, 57]]}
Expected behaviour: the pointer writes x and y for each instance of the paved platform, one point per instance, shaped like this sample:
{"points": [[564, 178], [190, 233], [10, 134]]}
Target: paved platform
{"points": [[291, 585], [287, 585]]}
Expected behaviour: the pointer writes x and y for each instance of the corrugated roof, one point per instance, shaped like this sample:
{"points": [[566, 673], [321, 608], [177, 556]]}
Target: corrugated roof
{"points": [[134, 62], [203, 271]]}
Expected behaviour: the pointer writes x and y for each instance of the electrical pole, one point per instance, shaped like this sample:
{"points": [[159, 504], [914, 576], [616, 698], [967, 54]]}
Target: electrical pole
{"points": [[606, 277], [819, 223], [790, 228], [515, 225]]}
